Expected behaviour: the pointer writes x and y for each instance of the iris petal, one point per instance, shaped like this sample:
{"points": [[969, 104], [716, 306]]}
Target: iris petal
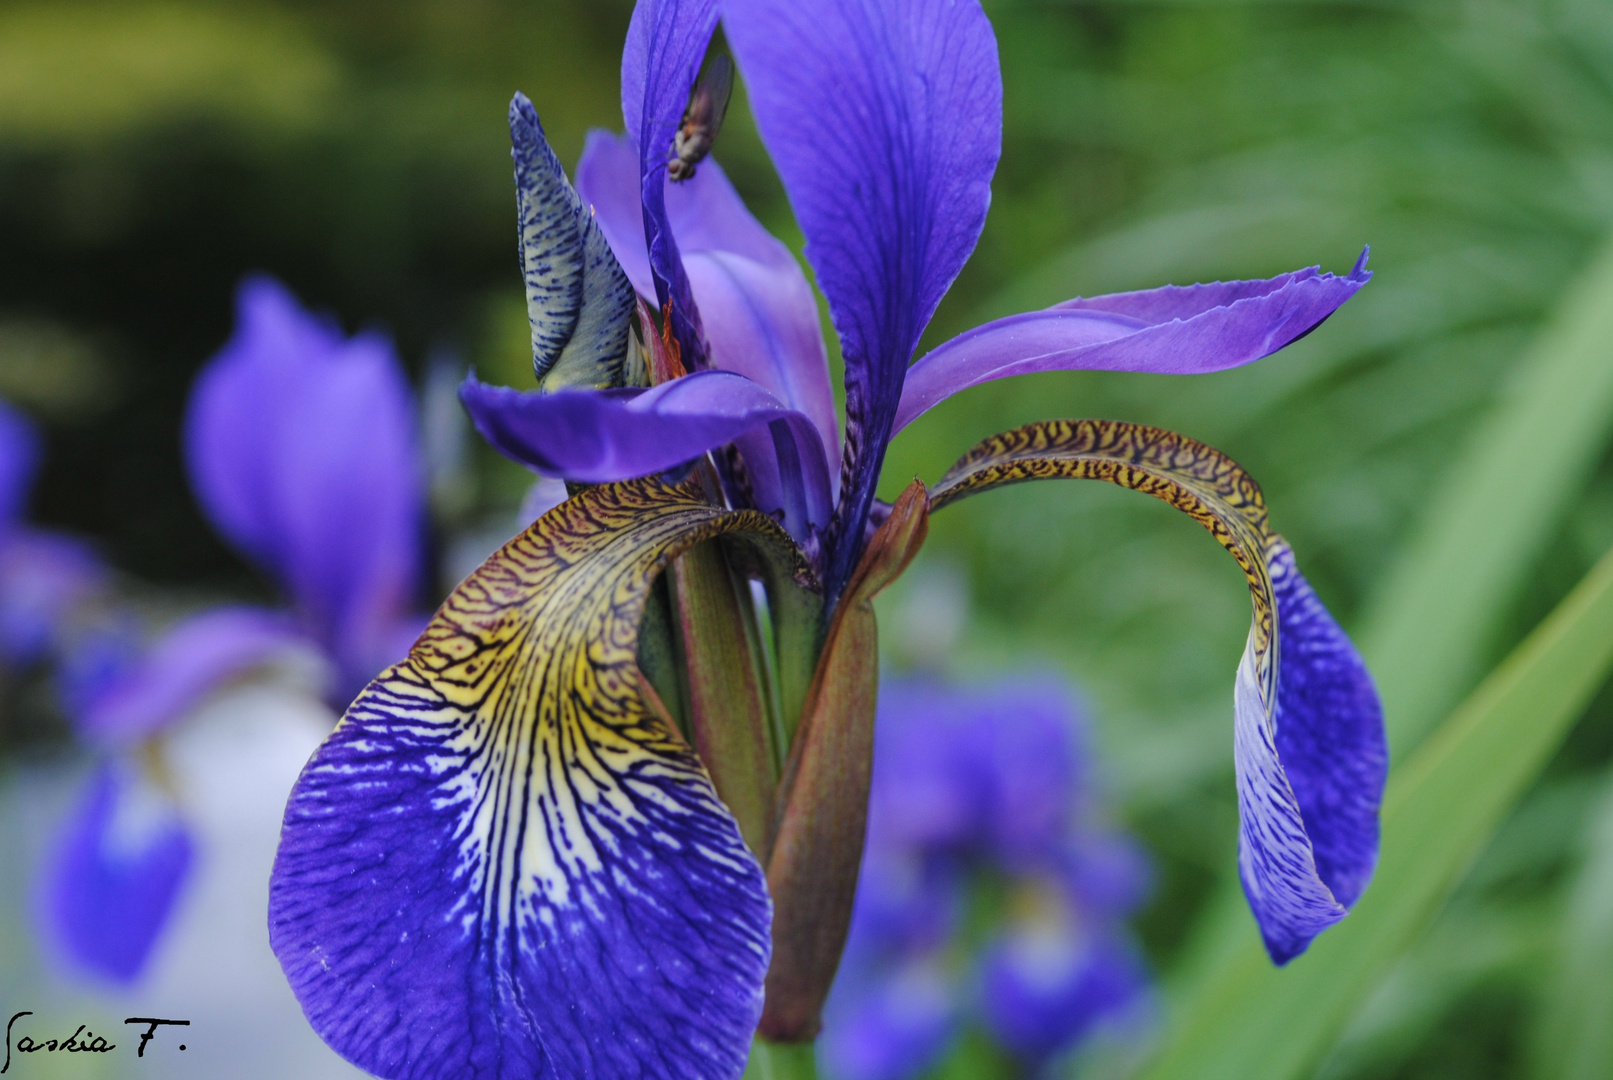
{"points": [[302, 450], [1171, 330], [605, 435], [759, 314], [114, 873], [505, 862], [19, 457], [193, 659], [666, 41], [885, 122], [1309, 742], [43, 577]]}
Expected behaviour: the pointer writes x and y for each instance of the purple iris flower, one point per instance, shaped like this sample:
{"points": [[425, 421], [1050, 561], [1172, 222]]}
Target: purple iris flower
{"points": [[43, 576], [971, 784], [606, 818], [119, 862], [887, 232], [303, 451]]}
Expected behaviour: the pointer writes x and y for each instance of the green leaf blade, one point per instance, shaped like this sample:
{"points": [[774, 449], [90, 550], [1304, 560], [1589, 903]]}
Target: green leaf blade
{"points": [[1250, 1021]]}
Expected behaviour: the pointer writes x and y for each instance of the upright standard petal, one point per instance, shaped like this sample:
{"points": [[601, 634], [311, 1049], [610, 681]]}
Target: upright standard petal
{"points": [[1171, 330], [19, 457], [599, 436], [506, 862], [666, 41], [578, 300], [1308, 832], [190, 661], [302, 449], [885, 122], [759, 314], [113, 874]]}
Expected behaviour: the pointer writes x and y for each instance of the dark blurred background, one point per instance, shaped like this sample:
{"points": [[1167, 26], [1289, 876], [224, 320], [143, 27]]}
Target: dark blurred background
{"points": [[151, 154]]}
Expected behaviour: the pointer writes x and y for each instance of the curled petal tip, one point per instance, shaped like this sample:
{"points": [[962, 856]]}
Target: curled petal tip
{"points": [[1360, 272], [1326, 743]]}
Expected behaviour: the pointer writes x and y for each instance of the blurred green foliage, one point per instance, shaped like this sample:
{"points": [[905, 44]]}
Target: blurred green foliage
{"points": [[152, 153]]}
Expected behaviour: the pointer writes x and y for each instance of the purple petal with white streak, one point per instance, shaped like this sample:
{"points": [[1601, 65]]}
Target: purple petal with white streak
{"points": [[1170, 330], [1310, 783], [885, 122], [666, 41], [189, 662], [596, 436], [113, 874]]}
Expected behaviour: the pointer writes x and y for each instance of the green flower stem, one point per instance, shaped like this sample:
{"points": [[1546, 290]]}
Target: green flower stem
{"points": [[781, 1061], [812, 869], [728, 707], [798, 641], [660, 655]]}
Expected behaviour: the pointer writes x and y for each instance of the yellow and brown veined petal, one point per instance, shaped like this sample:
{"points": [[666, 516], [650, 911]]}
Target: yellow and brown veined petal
{"points": [[505, 861], [1308, 739]]}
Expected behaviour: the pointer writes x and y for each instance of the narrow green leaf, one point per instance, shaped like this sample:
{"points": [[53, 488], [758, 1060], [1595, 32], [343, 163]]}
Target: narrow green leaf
{"points": [[1426, 634], [1573, 1039], [1251, 1021]]}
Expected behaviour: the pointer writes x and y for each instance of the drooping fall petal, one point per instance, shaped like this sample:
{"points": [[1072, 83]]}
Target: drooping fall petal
{"points": [[885, 123], [505, 862], [1170, 330], [194, 658], [1309, 742]]}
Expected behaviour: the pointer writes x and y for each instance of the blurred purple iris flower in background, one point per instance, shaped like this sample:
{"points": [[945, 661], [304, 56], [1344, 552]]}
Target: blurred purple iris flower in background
{"points": [[983, 790], [44, 576], [115, 870], [304, 453], [302, 450]]}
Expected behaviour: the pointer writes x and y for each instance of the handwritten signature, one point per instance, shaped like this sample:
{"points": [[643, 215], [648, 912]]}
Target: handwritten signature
{"points": [[90, 1043]]}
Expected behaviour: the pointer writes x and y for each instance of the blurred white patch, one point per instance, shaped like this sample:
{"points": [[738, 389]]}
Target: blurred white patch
{"points": [[233, 763]]}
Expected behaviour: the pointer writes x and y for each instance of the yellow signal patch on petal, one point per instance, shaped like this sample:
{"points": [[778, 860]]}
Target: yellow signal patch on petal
{"points": [[505, 861]]}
